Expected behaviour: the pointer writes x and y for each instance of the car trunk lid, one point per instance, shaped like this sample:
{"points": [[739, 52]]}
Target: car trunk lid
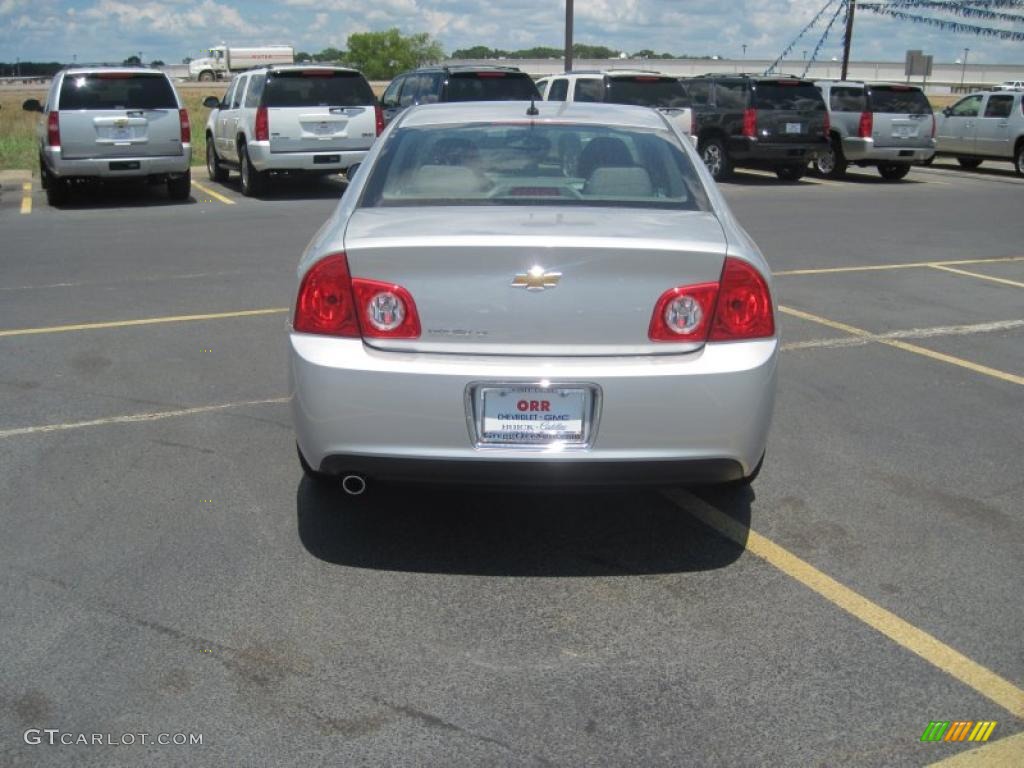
{"points": [[902, 116], [788, 111], [319, 109]]}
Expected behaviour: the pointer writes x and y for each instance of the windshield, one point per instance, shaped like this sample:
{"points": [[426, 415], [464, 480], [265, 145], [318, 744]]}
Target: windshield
{"points": [[789, 95], [117, 90], [647, 92], [534, 164], [316, 88], [491, 86], [899, 100]]}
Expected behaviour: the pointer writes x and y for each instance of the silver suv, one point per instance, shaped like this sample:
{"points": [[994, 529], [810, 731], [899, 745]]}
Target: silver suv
{"points": [[298, 119], [888, 126], [984, 126], [112, 123]]}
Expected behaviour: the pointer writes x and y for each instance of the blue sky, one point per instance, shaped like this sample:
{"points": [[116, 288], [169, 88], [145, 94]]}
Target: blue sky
{"points": [[96, 30]]}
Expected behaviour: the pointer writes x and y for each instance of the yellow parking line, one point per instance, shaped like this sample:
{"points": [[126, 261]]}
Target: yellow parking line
{"points": [[211, 193], [931, 649], [977, 368], [1005, 753], [884, 267], [143, 321], [978, 275], [26, 197]]}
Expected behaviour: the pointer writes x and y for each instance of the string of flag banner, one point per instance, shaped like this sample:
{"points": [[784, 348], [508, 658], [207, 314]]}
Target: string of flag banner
{"points": [[789, 48], [972, 9], [824, 37]]}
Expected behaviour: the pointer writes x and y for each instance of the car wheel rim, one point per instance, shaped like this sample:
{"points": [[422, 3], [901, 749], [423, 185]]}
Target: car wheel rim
{"points": [[827, 161], [713, 159], [245, 170], [211, 165]]}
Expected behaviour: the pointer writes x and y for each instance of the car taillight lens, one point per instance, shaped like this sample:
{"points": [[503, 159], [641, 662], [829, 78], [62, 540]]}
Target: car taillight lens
{"points": [[53, 129], [683, 313], [325, 303], [186, 126], [379, 116], [744, 307], [750, 123], [828, 125], [262, 124], [386, 310], [866, 126]]}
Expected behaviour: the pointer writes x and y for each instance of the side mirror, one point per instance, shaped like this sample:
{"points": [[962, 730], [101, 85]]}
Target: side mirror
{"points": [[947, 111], [211, 102], [350, 172], [32, 105]]}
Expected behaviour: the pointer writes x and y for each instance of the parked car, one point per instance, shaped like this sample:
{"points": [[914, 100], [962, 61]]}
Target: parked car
{"points": [[984, 126], [890, 127], [776, 122], [290, 119], [432, 85], [475, 312], [112, 123], [623, 86], [1009, 85]]}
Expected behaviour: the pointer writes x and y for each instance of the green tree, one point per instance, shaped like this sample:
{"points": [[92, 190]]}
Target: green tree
{"points": [[329, 54], [156, 63], [382, 55], [478, 52], [302, 56], [132, 61]]}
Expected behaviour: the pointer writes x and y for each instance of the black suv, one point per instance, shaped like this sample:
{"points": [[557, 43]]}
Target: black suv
{"points": [[779, 122], [429, 85]]}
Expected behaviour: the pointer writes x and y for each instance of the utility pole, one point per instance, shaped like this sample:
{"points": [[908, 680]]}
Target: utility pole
{"points": [[848, 40], [568, 35], [963, 69]]}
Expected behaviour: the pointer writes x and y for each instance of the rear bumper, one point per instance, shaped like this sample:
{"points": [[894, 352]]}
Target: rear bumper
{"points": [[265, 160], [122, 168], [751, 150], [859, 150]]}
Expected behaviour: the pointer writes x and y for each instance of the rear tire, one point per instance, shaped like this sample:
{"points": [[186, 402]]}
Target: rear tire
{"points": [[252, 180], [1018, 159], [206, 77], [970, 163], [216, 171], [57, 191], [791, 172], [716, 158], [832, 162], [893, 171], [181, 187]]}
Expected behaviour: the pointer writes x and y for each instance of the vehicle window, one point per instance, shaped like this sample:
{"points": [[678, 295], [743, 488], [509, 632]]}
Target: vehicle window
{"points": [[252, 96], [430, 88], [588, 89], [999, 106], [410, 91], [846, 99], [790, 95], [731, 94], [559, 89], [316, 88], [700, 92], [968, 107], [236, 99], [645, 91], [900, 100], [491, 86], [390, 97], [117, 90], [530, 164], [229, 94]]}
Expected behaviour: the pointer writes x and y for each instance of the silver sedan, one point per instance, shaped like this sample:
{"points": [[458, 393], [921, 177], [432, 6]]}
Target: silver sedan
{"points": [[523, 294]]}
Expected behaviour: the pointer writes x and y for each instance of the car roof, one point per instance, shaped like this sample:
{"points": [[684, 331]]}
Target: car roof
{"points": [[465, 68], [85, 70], [455, 113], [301, 68]]}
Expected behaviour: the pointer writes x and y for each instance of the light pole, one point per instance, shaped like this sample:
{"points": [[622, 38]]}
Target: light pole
{"points": [[744, 51], [963, 68], [568, 35]]}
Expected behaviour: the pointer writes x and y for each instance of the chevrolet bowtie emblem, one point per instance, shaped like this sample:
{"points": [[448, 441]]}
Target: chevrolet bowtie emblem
{"points": [[536, 279], [121, 123]]}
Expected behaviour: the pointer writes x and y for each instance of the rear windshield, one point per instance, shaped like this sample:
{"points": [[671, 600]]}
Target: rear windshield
{"points": [[790, 95], [647, 92], [491, 86], [534, 164], [899, 100], [117, 90], [316, 88]]}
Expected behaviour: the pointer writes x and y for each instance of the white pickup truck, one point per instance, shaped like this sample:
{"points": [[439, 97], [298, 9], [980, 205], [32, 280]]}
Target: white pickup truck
{"points": [[226, 60]]}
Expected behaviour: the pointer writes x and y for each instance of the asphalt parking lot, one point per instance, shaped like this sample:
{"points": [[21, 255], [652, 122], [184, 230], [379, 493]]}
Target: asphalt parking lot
{"points": [[165, 568]]}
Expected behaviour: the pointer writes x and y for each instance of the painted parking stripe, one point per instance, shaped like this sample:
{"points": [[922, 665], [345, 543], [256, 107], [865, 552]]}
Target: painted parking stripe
{"points": [[142, 321], [216, 195], [931, 649], [906, 347], [911, 333], [1005, 753], [135, 418], [978, 275], [26, 198], [884, 267]]}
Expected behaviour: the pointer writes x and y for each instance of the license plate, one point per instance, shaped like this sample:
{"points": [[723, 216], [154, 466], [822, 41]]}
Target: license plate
{"points": [[794, 127], [121, 134], [534, 415], [324, 129], [904, 132]]}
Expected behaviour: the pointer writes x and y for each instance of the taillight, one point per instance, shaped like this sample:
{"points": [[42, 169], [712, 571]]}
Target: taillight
{"points": [[744, 308], [325, 304], [379, 116], [332, 303], [828, 125], [386, 310], [750, 122], [53, 129], [933, 125], [186, 126], [262, 124], [683, 313], [866, 125]]}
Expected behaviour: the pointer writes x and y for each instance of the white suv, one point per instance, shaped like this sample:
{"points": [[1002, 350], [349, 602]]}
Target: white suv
{"points": [[297, 119], [623, 86]]}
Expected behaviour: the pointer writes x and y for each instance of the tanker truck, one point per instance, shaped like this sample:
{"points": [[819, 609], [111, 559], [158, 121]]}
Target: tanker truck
{"points": [[224, 60]]}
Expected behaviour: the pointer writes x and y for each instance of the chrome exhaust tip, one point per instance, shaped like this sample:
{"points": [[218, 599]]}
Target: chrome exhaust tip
{"points": [[353, 485]]}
